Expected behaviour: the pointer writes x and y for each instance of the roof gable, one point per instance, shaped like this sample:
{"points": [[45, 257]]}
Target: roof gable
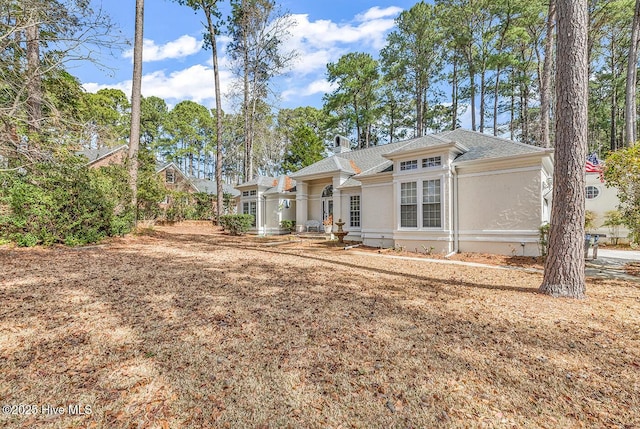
{"points": [[95, 155]]}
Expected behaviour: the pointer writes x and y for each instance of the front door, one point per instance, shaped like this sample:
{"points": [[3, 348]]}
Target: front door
{"points": [[327, 202]]}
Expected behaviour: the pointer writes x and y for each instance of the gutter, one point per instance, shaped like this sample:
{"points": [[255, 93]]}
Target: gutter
{"points": [[456, 235]]}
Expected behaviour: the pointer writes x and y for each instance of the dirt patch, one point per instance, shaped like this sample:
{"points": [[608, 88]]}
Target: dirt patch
{"points": [[188, 327]]}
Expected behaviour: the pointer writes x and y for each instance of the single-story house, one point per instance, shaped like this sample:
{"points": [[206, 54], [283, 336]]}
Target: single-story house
{"points": [[600, 200], [270, 200], [456, 191]]}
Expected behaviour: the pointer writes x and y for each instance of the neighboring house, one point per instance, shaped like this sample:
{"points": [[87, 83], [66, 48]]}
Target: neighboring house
{"points": [[600, 199], [172, 176], [453, 191], [270, 200], [105, 156], [174, 179]]}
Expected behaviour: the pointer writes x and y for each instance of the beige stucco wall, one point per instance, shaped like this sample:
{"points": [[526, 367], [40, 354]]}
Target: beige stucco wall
{"points": [[498, 211], [606, 200], [315, 198], [377, 215], [276, 212]]}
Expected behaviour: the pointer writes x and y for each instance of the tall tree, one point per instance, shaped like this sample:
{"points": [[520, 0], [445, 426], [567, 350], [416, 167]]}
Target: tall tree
{"points": [[38, 39], [547, 70], [305, 149], [412, 58], [136, 94], [564, 266], [356, 97], [258, 31], [631, 88], [212, 15]]}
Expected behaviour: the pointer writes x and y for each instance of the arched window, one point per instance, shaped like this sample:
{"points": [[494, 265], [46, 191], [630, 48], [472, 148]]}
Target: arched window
{"points": [[592, 192], [327, 192]]}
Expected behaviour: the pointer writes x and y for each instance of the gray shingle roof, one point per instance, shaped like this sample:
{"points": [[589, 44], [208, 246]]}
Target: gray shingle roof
{"points": [[484, 146], [353, 162], [285, 184], [95, 154], [209, 186], [267, 181]]}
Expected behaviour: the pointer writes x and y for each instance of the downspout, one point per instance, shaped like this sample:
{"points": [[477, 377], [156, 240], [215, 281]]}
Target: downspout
{"points": [[264, 214], [456, 235]]}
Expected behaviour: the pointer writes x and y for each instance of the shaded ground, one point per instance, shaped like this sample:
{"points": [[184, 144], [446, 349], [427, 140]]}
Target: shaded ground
{"points": [[191, 328]]}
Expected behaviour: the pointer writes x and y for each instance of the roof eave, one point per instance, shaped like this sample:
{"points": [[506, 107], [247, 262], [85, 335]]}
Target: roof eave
{"points": [[425, 149], [540, 154]]}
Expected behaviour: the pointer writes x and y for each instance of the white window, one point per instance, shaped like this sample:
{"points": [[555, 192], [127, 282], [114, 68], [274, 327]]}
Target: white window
{"points": [[253, 193], [249, 207], [409, 165], [355, 211], [434, 161], [245, 193], [592, 192], [170, 176], [431, 204], [408, 205]]}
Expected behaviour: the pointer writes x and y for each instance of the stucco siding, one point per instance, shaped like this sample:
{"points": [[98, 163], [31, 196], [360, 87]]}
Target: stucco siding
{"points": [[508, 201], [377, 214], [499, 212], [606, 200]]}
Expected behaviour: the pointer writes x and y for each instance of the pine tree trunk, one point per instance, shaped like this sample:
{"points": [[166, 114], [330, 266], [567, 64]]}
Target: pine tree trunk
{"points": [[454, 95], [564, 266], [216, 82], [34, 82], [136, 94], [545, 90], [632, 71]]}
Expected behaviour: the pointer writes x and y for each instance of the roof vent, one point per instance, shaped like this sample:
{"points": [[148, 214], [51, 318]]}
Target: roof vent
{"points": [[341, 144]]}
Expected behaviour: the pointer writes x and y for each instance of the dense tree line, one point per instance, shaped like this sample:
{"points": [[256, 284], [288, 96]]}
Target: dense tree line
{"points": [[491, 60]]}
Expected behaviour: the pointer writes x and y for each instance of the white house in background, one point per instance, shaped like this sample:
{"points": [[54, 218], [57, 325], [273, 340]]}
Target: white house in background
{"points": [[600, 200], [270, 200], [448, 192]]}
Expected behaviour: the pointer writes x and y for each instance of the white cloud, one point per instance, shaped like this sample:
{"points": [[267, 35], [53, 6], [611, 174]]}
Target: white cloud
{"points": [[193, 83], [323, 41], [321, 86], [182, 47], [377, 13]]}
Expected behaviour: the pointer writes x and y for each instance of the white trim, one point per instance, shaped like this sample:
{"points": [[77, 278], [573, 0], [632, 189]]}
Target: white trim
{"points": [[494, 172], [378, 185], [499, 231]]}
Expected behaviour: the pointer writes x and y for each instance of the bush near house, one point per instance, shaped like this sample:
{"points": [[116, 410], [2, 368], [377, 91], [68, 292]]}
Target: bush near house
{"points": [[623, 172], [289, 225], [236, 224], [64, 202]]}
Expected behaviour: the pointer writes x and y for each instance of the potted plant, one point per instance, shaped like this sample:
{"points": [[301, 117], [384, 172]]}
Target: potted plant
{"points": [[328, 224]]}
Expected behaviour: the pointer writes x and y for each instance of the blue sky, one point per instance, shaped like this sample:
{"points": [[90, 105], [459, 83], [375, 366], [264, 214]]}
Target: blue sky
{"points": [[176, 67]]}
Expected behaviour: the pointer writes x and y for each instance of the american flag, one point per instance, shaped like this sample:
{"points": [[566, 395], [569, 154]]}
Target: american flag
{"points": [[593, 165]]}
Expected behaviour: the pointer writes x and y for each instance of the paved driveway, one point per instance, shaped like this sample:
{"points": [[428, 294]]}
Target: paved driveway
{"points": [[611, 262], [626, 255]]}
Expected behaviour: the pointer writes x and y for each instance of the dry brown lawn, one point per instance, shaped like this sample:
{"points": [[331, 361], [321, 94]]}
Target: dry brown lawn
{"points": [[190, 328]]}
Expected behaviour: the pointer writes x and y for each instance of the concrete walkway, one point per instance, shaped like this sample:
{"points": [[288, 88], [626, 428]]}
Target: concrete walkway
{"points": [[611, 262]]}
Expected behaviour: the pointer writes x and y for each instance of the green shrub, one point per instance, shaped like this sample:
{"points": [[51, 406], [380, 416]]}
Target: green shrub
{"points": [[289, 225], [236, 224], [63, 202]]}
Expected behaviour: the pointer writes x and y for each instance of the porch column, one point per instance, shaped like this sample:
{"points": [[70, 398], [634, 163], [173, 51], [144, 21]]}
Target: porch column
{"points": [[302, 201], [337, 199]]}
